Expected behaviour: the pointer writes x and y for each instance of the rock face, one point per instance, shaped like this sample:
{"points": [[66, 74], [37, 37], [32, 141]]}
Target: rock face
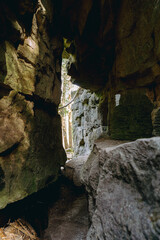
{"points": [[115, 41], [86, 121], [115, 47], [73, 169], [123, 183], [31, 151], [129, 116]]}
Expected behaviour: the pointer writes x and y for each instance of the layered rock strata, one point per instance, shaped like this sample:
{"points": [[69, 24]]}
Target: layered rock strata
{"points": [[115, 49], [31, 151], [86, 121]]}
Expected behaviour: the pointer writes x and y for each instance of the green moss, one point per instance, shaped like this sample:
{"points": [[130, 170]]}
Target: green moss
{"points": [[132, 118], [36, 159]]}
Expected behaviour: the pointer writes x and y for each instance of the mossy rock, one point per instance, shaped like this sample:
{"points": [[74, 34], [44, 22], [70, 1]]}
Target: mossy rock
{"points": [[156, 124], [31, 154], [132, 118]]}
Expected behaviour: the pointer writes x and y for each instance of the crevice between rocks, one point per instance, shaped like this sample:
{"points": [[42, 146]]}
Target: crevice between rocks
{"points": [[40, 103], [9, 150]]}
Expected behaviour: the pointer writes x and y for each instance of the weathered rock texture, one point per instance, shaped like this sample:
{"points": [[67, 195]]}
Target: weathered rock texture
{"points": [[117, 37], [116, 45], [86, 121], [73, 168], [31, 152], [123, 183], [115, 49], [129, 117]]}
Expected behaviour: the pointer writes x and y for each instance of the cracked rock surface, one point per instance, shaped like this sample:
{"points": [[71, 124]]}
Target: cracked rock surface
{"points": [[31, 151], [123, 183]]}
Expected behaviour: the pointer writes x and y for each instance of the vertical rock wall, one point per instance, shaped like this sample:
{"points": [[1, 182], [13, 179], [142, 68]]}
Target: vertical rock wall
{"points": [[129, 115], [87, 121], [31, 151], [117, 51]]}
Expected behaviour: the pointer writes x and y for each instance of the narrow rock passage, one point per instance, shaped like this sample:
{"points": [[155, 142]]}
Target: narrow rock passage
{"points": [[68, 216]]}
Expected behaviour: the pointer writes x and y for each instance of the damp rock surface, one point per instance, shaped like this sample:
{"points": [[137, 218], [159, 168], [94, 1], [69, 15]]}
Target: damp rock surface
{"points": [[122, 181]]}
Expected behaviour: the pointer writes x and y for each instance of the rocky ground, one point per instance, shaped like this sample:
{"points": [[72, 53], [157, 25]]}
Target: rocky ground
{"points": [[58, 212], [68, 216]]}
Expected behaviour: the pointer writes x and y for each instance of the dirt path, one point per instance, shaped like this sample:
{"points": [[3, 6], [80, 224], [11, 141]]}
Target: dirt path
{"points": [[68, 216]]}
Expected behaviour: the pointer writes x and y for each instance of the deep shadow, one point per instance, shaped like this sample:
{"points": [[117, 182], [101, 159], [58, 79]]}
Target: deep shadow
{"points": [[34, 209], [3, 68], [2, 176]]}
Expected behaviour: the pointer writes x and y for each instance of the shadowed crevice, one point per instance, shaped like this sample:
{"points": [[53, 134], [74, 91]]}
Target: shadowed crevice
{"points": [[9, 150]]}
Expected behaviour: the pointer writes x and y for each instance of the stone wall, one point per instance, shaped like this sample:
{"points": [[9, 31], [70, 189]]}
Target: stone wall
{"points": [[86, 121], [31, 151], [132, 113]]}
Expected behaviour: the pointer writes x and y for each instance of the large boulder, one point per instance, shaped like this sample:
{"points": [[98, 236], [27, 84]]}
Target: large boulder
{"points": [[123, 183]]}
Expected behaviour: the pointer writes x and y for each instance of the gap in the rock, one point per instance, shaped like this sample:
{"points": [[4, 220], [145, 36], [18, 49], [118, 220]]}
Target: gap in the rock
{"points": [[69, 94], [58, 211], [83, 116]]}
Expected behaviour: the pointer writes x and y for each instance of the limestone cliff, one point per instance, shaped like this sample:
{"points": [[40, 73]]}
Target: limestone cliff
{"points": [[31, 151]]}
